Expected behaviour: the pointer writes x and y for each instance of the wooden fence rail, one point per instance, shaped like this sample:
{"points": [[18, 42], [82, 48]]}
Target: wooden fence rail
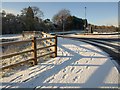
{"points": [[48, 42]]}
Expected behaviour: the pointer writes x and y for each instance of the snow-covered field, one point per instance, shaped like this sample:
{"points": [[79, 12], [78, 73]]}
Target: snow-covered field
{"points": [[94, 36], [78, 65]]}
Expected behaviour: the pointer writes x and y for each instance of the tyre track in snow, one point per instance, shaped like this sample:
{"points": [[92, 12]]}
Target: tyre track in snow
{"points": [[106, 45]]}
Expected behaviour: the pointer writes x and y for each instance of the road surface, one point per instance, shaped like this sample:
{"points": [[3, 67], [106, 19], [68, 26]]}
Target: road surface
{"points": [[109, 45]]}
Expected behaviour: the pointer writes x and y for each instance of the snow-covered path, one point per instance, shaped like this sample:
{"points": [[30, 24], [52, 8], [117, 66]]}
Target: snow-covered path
{"points": [[78, 65]]}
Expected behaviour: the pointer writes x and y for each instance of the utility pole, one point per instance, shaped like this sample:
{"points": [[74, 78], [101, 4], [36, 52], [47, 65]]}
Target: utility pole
{"points": [[63, 25], [85, 20]]}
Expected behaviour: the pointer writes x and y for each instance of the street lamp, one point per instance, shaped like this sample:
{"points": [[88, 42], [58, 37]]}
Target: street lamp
{"points": [[85, 12], [63, 27]]}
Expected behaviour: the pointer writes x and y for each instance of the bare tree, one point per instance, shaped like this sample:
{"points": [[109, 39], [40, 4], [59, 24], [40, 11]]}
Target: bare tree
{"points": [[61, 16]]}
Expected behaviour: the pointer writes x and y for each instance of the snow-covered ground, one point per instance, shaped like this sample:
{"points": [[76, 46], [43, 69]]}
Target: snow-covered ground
{"points": [[10, 36], [93, 36], [78, 65]]}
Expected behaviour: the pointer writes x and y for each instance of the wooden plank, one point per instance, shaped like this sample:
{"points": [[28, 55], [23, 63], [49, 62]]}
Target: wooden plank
{"points": [[14, 42], [47, 34], [14, 54], [45, 54], [45, 47], [34, 47], [46, 38], [14, 65], [56, 46]]}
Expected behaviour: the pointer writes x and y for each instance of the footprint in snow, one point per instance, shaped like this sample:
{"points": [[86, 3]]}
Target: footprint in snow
{"points": [[18, 77], [87, 61], [80, 70], [91, 59], [77, 62], [32, 72], [64, 70], [72, 69], [50, 80], [63, 76], [87, 67], [75, 78], [27, 79]]}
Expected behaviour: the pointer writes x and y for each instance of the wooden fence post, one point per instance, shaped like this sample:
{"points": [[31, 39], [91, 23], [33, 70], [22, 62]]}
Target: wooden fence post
{"points": [[55, 45], [34, 50]]}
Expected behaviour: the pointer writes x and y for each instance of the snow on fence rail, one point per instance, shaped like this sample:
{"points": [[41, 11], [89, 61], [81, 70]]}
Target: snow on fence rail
{"points": [[49, 42]]}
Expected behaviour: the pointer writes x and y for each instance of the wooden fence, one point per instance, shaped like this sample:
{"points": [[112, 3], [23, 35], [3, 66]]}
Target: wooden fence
{"points": [[48, 42]]}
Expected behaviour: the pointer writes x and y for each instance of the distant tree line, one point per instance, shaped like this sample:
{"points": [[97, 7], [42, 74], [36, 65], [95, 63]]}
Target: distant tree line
{"points": [[30, 19], [104, 28]]}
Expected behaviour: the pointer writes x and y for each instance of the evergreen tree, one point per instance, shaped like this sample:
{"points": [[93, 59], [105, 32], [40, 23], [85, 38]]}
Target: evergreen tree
{"points": [[29, 19]]}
